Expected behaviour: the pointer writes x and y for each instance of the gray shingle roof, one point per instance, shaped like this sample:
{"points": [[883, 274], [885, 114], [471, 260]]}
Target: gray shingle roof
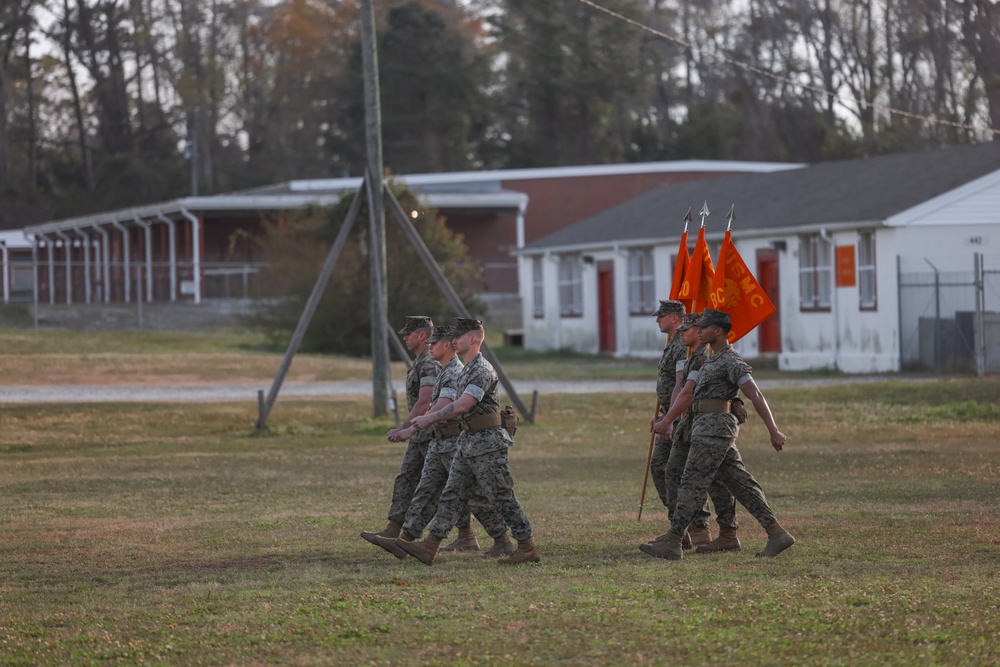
{"points": [[865, 190]]}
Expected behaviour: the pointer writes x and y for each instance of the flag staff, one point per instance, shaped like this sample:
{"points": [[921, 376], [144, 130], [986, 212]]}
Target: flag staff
{"points": [[730, 217], [703, 213]]}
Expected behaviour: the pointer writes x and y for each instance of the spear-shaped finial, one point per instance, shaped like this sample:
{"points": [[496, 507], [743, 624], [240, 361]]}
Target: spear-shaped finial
{"points": [[730, 217], [703, 213], [687, 219]]}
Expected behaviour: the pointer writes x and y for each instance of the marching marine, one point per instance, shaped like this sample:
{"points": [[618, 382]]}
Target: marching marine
{"points": [[481, 464], [420, 381], [669, 317], [438, 462], [713, 453]]}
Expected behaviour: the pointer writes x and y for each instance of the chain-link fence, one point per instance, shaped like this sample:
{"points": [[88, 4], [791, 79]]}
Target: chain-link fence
{"points": [[949, 321]]}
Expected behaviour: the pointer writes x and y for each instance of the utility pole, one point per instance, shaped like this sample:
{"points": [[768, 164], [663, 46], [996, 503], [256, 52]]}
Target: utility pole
{"points": [[381, 376]]}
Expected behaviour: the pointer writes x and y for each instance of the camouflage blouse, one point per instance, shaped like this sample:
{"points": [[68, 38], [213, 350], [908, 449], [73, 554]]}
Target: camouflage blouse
{"points": [[479, 380], [666, 371], [446, 387], [690, 369], [721, 375], [423, 373]]}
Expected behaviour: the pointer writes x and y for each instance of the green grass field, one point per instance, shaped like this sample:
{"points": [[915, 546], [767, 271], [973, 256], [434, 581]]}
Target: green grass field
{"points": [[168, 534]]}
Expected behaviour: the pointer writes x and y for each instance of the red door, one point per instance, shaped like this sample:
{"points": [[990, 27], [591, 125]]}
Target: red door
{"points": [[606, 305], [767, 273]]}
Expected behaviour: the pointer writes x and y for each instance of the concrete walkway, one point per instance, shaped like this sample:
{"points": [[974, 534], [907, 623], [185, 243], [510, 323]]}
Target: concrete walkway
{"points": [[247, 392]]}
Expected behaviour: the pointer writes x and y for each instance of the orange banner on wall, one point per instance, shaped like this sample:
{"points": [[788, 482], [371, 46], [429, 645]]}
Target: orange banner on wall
{"points": [[846, 273]]}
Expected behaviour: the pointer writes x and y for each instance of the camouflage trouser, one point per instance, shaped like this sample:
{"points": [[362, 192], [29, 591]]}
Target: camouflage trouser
{"points": [[486, 473], [658, 467], [407, 480], [715, 457], [425, 499], [725, 503]]}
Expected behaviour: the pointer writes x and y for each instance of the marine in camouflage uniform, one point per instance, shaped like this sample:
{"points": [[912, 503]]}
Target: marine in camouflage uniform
{"points": [[437, 464], [713, 453], [481, 462], [722, 499], [668, 317], [420, 380]]}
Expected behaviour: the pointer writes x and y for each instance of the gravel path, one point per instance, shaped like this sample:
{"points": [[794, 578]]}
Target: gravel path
{"points": [[247, 392]]}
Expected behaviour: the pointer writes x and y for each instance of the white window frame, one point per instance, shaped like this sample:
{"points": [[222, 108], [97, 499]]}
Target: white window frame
{"points": [[570, 286], [538, 287], [815, 273], [867, 285], [641, 281]]}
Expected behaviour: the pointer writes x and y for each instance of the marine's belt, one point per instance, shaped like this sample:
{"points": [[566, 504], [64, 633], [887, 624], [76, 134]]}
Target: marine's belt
{"points": [[448, 429], [478, 423], [710, 405]]}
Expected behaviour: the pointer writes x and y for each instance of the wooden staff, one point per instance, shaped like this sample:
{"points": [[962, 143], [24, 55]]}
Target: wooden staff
{"points": [[649, 459]]}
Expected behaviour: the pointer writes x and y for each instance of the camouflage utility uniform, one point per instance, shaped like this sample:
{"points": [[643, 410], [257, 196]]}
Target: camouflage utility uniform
{"points": [[423, 373], [713, 454], [481, 463], [666, 376], [725, 503], [437, 463]]}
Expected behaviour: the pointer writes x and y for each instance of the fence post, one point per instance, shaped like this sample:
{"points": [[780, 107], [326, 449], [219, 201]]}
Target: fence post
{"points": [[980, 282], [899, 306]]}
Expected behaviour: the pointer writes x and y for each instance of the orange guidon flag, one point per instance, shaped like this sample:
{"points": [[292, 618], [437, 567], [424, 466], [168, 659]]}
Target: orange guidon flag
{"points": [[683, 258], [737, 292], [697, 284]]}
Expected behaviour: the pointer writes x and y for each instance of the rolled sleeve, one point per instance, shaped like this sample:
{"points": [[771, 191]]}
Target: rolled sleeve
{"points": [[474, 391]]}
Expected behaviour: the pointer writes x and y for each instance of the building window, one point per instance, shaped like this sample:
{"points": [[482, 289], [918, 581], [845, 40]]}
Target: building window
{"points": [[537, 287], [570, 286], [641, 283], [815, 273], [866, 271]]}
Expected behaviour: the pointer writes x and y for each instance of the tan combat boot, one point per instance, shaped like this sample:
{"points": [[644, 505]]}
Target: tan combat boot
{"points": [[726, 541], [424, 550], [778, 539], [502, 546], [389, 544], [669, 547], [699, 535], [391, 530], [525, 553], [466, 540]]}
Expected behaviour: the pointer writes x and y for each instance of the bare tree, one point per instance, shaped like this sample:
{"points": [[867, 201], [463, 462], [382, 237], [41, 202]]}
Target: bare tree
{"points": [[981, 30]]}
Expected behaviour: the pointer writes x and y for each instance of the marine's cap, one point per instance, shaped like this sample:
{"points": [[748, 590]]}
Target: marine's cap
{"points": [[441, 333], [688, 321], [713, 318], [464, 325], [669, 308], [414, 322]]}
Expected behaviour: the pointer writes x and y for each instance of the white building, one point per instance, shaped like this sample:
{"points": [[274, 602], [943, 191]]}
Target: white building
{"points": [[857, 256]]}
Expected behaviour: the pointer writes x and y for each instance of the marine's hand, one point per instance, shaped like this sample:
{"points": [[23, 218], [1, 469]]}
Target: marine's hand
{"points": [[421, 422], [777, 440], [404, 434]]}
